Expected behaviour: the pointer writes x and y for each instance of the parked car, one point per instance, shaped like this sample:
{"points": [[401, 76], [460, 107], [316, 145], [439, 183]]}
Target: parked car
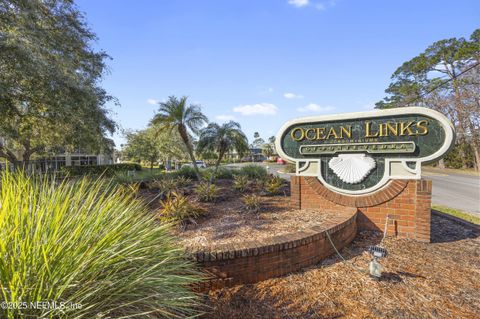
{"points": [[200, 164], [280, 161]]}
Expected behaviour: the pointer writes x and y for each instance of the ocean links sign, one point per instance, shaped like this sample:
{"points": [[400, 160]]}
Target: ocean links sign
{"points": [[358, 153]]}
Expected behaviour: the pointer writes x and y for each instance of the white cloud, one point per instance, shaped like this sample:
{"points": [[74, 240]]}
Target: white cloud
{"points": [[312, 107], [292, 96], [152, 101], [298, 3], [325, 5], [225, 118], [254, 109]]}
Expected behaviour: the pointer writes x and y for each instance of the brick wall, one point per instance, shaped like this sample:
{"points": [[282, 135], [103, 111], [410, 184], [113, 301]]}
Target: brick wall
{"points": [[406, 202], [253, 261]]}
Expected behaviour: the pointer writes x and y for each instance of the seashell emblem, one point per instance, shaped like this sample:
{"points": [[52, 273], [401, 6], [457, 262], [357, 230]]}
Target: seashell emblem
{"points": [[352, 168]]}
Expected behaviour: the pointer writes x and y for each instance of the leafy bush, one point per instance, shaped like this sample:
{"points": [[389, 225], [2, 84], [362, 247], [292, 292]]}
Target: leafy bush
{"points": [[108, 170], [240, 183], [91, 243], [252, 203], [224, 173], [145, 175], [273, 185], [206, 192], [185, 171], [178, 209], [253, 171]]}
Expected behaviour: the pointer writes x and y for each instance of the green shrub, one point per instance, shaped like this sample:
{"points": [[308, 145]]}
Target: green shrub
{"points": [[107, 170], [206, 192], [90, 243], [253, 172], [185, 171], [273, 185], [224, 173], [252, 203], [240, 183], [177, 208], [145, 175]]}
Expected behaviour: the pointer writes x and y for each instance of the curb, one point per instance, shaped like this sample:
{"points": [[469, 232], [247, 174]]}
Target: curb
{"points": [[456, 219]]}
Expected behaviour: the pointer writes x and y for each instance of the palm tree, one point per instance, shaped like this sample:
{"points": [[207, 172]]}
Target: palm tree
{"points": [[175, 114], [221, 139]]}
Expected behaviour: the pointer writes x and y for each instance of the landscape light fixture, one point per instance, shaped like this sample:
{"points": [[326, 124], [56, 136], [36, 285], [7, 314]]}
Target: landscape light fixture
{"points": [[375, 267]]}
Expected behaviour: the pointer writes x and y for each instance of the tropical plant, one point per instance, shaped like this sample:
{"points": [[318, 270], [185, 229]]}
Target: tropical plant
{"points": [[222, 139], [240, 183], [175, 114], [206, 192], [178, 209], [273, 185], [252, 203], [92, 244]]}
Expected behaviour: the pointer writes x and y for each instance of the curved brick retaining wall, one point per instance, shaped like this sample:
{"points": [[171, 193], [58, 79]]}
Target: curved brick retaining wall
{"points": [[253, 261]]}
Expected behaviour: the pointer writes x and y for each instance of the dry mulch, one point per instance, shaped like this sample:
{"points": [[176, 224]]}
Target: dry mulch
{"points": [[226, 220], [421, 280]]}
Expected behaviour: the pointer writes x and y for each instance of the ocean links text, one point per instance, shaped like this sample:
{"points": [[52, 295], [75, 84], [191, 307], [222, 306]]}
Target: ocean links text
{"points": [[369, 130]]}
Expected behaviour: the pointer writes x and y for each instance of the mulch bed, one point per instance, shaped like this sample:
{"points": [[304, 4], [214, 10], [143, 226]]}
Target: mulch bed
{"points": [[421, 280], [227, 221]]}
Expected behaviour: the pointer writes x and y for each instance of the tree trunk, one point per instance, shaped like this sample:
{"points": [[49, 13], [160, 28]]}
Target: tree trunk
{"points": [[217, 165], [183, 134], [441, 164], [461, 121], [475, 147]]}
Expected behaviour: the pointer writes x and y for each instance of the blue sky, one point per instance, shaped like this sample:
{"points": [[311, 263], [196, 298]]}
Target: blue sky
{"points": [[262, 62]]}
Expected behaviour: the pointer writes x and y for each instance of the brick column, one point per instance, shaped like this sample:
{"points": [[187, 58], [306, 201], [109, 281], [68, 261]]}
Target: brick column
{"points": [[295, 192]]}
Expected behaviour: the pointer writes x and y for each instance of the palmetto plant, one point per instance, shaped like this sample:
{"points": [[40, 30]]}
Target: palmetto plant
{"points": [[175, 114], [221, 139], [89, 243]]}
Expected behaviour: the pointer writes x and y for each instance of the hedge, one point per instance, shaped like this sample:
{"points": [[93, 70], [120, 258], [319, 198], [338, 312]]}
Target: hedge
{"points": [[108, 170]]}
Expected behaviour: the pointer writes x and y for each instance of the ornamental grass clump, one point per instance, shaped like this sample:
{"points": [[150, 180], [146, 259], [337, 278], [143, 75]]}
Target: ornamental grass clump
{"points": [[88, 243]]}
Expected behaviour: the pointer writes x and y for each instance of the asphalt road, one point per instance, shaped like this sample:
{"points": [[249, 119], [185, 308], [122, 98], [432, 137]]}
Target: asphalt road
{"points": [[455, 191], [448, 189]]}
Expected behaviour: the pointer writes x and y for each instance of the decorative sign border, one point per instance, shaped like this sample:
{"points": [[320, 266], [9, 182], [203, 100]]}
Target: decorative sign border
{"points": [[395, 168]]}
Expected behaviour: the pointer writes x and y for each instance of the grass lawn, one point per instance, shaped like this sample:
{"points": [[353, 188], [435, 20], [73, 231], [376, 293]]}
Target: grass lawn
{"points": [[458, 213], [469, 171]]}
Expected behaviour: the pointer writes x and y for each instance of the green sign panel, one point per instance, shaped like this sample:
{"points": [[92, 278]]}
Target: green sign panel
{"points": [[359, 152]]}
